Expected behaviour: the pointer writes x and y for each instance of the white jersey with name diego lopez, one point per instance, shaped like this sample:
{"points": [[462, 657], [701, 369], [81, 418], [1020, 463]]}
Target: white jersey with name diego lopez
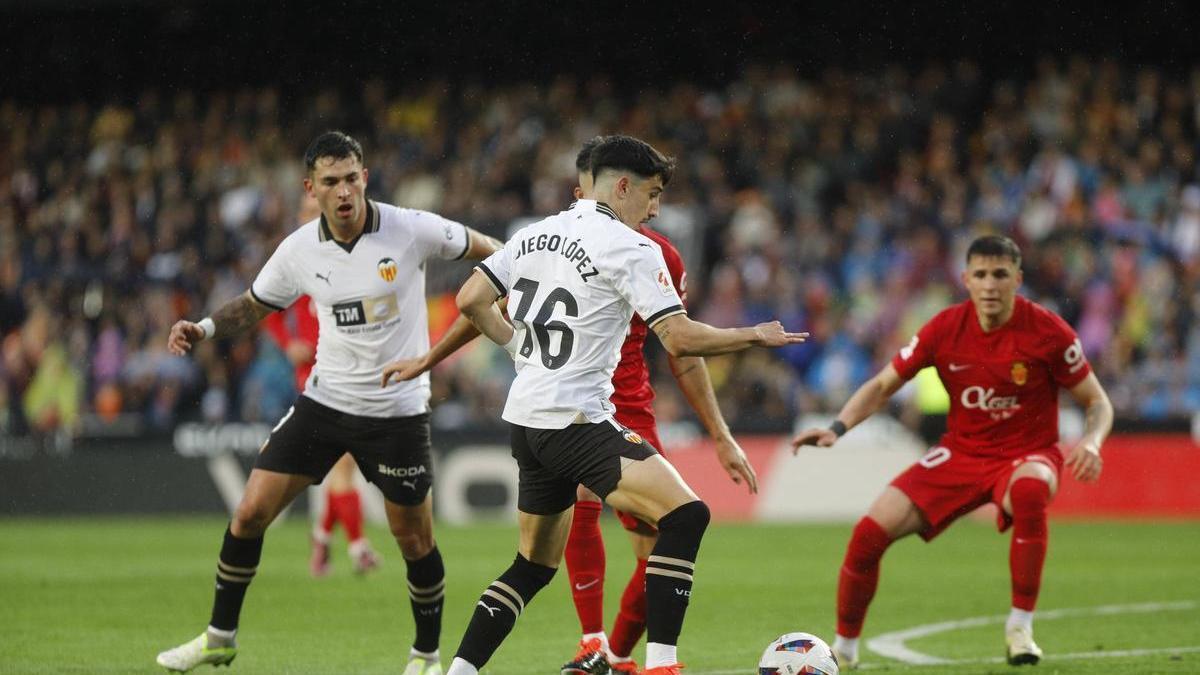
{"points": [[576, 278], [370, 302]]}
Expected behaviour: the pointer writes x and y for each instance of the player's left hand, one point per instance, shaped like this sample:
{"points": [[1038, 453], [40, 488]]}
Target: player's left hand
{"points": [[402, 371], [772, 334], [736, 464], [1084, 462]]}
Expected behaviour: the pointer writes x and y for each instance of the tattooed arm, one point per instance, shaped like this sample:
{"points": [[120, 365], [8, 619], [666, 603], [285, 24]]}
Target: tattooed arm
{"points": [[232, 318]]}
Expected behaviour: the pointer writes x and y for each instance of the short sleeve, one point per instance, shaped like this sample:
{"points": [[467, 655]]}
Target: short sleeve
{"points": [[437, 237], [275, 285], [918, 353], [1068, 363], [497, 268], [639, 273]]}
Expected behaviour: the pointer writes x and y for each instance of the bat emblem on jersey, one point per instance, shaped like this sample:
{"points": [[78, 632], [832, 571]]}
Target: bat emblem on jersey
{"points": [[387, 269], [1020, 374], [632, 436], [325, 277]]}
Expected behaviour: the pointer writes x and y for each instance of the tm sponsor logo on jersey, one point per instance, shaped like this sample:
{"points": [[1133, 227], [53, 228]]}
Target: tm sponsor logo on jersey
{"points": [[378, 310], [553, 243], [1000, 407], [402, 471]]}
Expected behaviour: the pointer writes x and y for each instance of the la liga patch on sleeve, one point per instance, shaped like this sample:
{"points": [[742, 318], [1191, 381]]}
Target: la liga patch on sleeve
{"points": [[664, 281]]}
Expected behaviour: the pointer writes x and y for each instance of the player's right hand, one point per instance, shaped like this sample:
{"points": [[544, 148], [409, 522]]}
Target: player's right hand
{"points": [[772, 334], [820, 437], [184, 334], [402, 371]]}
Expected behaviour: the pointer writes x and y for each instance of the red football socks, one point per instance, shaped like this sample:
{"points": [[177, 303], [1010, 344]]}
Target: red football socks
{"points": [[631, 620], [585, 566], [347, 506], [859, 576], [1030, 497]]}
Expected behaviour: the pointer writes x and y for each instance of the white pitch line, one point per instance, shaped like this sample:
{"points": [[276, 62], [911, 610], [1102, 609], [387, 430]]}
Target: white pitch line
{"points": [[892, 645]]}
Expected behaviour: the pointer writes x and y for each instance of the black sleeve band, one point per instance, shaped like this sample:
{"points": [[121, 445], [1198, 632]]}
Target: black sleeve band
{"points": [[467, 246], [499, 287], [663, 313], [838, 428], [264, 303]]}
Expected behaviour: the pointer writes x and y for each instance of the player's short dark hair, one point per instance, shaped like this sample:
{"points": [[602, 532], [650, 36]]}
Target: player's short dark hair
{"points": [[335, 144], [995, 246], [583, 161], [626, 153]]}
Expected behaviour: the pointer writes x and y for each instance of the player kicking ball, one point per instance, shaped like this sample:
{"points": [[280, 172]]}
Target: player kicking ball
{"points": [[1003, 360], [576, 279]]}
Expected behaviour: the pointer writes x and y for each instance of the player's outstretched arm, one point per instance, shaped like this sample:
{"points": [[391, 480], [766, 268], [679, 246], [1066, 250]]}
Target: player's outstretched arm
{"points": [[691, 372], [460, 333], [683, 337], [477, 301], [1084, 458], [232, 318], [866, 401]]}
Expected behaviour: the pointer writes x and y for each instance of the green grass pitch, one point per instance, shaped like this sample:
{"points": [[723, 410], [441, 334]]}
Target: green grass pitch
{"points": [[105, 595]]}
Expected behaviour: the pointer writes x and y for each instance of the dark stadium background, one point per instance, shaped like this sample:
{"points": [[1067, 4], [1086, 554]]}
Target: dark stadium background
{"points": [[62, 49]]}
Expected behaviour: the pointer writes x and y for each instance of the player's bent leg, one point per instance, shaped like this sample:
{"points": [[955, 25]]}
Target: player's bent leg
{"points": [[653, 489], [1026, 500], [585, 572], [543, 538], [890, 517], [412, 527], [267, 493]]}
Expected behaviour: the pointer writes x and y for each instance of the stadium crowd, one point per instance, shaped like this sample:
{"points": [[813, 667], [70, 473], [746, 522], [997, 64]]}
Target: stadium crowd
{"points": [[839, 203]]}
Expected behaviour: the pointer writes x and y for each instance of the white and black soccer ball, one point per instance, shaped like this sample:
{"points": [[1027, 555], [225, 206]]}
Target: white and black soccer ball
{"points": [[798, 654]]}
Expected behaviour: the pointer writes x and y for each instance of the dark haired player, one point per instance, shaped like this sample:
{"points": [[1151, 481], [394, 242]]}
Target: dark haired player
{"points": [[1003, 360], [576, 278], [362, 263]]}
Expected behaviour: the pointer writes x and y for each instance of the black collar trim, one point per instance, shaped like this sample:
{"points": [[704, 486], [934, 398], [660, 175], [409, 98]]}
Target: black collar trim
{"points": [[371, 226], [606, 210]]}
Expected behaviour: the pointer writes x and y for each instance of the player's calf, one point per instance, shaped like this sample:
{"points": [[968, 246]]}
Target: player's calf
{"points": [[497, 612], [669, 579]]}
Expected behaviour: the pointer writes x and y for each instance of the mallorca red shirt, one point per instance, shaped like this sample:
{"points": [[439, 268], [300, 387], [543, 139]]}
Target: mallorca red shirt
{"points": [[298, 322], [632, 394], [1003, 385]]}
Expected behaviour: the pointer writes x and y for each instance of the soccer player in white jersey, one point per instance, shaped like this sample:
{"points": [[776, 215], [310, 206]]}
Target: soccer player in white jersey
{"points": [[362, 263], [576, 279]]}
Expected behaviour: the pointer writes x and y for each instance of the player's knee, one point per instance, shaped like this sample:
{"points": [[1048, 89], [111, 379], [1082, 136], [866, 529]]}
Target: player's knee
{"points": [[414, 542], [251, 520], [1029, 496], [691, 518], [868, 543]]}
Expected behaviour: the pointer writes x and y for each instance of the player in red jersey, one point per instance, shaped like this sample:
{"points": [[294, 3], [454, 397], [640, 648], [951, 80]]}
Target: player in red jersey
{"points": [[295, 331], [634, 398], [1003, 360]]}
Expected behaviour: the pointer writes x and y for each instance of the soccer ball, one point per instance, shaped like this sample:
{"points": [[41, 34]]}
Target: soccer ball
{"points": [[798, 654]]}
